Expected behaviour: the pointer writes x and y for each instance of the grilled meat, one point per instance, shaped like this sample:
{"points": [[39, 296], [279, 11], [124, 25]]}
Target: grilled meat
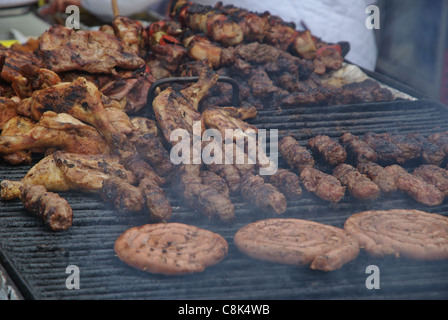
{"points": [[440, 139], [358, 184], [325, 186], [288, 183], [415, 186], [210, 178], [263, 195], [48, 206], [358, 148], [124, 196], [32, 78], [433, 175], [156, 201], [431, 153], [149, 145], [60, 131], [130, 31], [179, 110], [386, 150], [8, 110], [64, 49], [410, 147], [295, 155], [329, 150], [79, 98], [18, 126], [365, 91], [11, 60], [62, 171], [379, 175], [188, 184]]}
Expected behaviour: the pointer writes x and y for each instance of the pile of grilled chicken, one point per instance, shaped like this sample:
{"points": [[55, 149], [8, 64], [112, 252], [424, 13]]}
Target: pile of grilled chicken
{"points": [[72, 98]]}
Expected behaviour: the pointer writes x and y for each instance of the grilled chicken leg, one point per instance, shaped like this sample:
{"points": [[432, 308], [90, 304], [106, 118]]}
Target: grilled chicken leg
{"points": [[179, 110]]}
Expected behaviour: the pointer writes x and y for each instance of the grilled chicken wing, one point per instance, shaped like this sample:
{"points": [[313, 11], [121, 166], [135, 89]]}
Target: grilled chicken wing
{"points": [[79, 98], [60, 131]]}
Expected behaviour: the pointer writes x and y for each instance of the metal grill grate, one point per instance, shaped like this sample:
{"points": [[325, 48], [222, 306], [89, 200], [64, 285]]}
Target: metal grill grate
{"points": [[37, 259]]}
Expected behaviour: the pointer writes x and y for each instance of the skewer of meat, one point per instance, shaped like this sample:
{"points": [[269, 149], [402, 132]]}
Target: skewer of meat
{"points": [[297, 156], [358, 184], [231, 26], [329, 150], [358, 148], [415, 186], [325, 186], [379, 175]]}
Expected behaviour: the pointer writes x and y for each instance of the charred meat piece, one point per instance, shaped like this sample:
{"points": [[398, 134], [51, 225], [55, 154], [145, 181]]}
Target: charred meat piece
{"points": [[201, 48], [379, 175], [386, 150], [325, 186], [358, 184], [156, 201], [188, 184], [431, 153], [150, 146], [60, 131], [410, 148], [229, 173], [288, 183], [14, 127], [415, 186], [268, 58], [61, 172], [13, 60], [329, 150], [210, 21], [222, 118], [358, 148], [365, 91], [263, 195], [124, 196], [8, 110], [130, 31], [32, 78], [64, 49], [80, 98], [440, 139], [210, 178], [434, 175], [133, 162], [297, 156], [48, 206], [262, 86]]}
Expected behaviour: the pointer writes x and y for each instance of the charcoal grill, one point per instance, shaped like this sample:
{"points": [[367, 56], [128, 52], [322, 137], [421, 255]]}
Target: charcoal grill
{"points": [[36, 259]]}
